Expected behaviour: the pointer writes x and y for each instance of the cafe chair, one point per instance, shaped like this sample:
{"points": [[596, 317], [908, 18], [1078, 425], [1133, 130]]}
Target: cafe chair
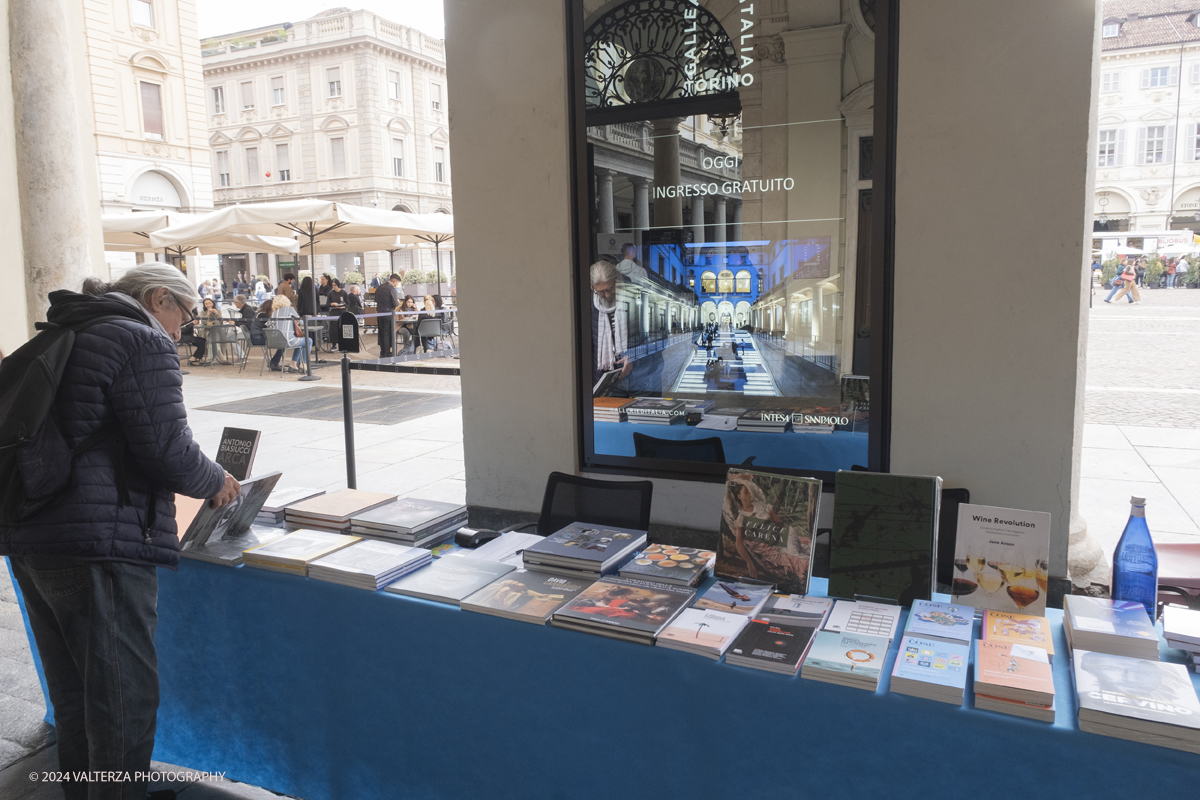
{"points": [[226, 336], [430, 329], [947, 534], [709, 451], [275, 341], [569, 498]]}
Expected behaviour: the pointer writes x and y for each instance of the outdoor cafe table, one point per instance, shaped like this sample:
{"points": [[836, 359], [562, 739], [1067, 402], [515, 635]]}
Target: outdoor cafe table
{"points": [[325, 691]]}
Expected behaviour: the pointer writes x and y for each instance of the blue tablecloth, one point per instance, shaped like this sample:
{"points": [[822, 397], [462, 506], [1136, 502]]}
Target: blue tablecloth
{"points": [[324, 691], [816, 451]]}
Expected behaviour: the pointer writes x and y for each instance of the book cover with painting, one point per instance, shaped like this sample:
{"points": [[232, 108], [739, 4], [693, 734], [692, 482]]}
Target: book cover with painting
{"points": [[766, 530], [1001, 559]]}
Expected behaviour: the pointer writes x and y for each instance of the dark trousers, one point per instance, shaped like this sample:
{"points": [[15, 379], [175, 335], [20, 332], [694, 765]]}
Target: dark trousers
{"points": [[94, 623], [387, 336]]}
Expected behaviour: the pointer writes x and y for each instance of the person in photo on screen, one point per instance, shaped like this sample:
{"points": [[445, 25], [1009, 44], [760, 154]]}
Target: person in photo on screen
{"points": [[86, 564], [610, 323]]}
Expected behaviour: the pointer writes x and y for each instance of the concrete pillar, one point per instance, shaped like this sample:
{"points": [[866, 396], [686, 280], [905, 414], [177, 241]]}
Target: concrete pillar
{"points": [[604, 181], [719, 219], [668, 211], [737, 220], [641, 203], [51, 168], [696, 218]]}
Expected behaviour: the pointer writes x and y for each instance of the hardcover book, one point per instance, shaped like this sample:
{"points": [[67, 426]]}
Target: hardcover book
{"points": [[654, 409], [852, 659], [295, 551], [211, 525], [927, 667], [702, 631], [875, 619], [686, 566], [525, 595], [736, 597], [638, 609], [941, 621], [450, 579], [338, 506], [368, 564], [1001, 559], [582, 546], [409, 514], [766, 529], [776, 645], [1002, 627], [236, 452], [884, 538]]}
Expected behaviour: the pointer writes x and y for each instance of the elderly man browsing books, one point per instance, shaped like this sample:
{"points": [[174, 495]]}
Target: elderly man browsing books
{"points": [[610, 327]]}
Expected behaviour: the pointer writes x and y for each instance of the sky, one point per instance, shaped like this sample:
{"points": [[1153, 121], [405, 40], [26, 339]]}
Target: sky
{"points": [[219, 17]]}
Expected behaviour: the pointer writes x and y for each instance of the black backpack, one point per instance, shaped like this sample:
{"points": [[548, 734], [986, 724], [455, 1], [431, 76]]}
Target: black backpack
{"points": [[35, 461]]}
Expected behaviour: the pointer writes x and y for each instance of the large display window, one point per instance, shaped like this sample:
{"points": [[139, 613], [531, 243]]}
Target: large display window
{"points": [[731, 254]]}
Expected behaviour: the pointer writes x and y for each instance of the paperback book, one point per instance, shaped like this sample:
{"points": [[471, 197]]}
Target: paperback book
{"points": [[236, 452], [1137, 699], [684, 566], [1002, 627], [766, 529], [655, 410], [774, 645], [610, 409], [272, 512], [702, 631], [333, 511], [801, 609], [884, 538], [295, 551], [410, 520], [525, 595], [933, 669], [874, 619], [450, 579], [735, 597], [941, 621], [1017, 673], [1001, 559], [766, 420], [211, 525], [1101, 625], [848, 659], [368, 564], [624, 608]]}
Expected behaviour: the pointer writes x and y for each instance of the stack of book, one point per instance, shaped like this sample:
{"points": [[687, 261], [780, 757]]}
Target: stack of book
{"points": [[934, 652], [1006, 628], [655, 410], [333, 511], [525, 596], [775, 645], [1181, 628], [766, 420], [582, 550], [609, 409], [721, 419], [1014, 679], [735, 597], [698, 406], [369, 565], [272, 512], [1100, 625], [218, 535], [228, 551], [798, 608], [682, 566], [703, 632], [410, 521], [624, 608], [847, 659], [1137, 699], [295, 551], [506, 549], [450, 579], [859, 616], [816, 419]]}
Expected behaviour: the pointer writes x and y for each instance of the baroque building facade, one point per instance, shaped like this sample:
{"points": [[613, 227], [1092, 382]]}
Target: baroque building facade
{"points": [[344, 106]]}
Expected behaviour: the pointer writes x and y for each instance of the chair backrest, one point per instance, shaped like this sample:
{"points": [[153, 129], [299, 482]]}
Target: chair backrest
{"points": [[222, 334], [707, 450], [429, 328], [948, 532], [275, 339], [622, 504]]}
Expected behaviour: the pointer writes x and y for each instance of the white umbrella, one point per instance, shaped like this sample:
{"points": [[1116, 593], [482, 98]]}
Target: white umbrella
{"points": [[130, 233], [219, 245], [1177, 250], [439, 230], [1127, 251]]}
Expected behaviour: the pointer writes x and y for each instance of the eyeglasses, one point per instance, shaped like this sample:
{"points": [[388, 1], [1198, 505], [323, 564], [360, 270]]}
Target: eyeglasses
{"points": [[606, 292], [188, 316]]}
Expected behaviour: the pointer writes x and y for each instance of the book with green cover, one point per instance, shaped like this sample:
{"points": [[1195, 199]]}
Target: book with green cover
{"points": [[884, 539], [767, 524]]}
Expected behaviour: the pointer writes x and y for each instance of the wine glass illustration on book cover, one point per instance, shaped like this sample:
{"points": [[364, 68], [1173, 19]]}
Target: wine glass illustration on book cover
{"points": [[991, 568]]}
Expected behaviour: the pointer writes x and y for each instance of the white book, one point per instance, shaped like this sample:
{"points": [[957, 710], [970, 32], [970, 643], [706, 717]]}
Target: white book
{"points": [[300, 547], [505, 549], [703, 631], [1182, 625], [281, 498], [798, 607], [371, 558], [1001, 547], [859, 616]]}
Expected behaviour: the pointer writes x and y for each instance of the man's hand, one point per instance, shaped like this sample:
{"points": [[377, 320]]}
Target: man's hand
{"points": [[230, 490], [627, 367]]}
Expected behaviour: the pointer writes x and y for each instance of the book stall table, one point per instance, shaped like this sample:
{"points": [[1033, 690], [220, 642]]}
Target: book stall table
{"points": [[825, 451], [324, 691]]}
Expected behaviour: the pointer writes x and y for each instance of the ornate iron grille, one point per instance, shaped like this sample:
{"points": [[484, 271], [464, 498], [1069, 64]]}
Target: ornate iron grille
{"points": [[868, 11], [647, 51]]}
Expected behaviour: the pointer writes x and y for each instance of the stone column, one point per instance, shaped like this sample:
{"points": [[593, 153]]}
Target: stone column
{"points": [[696, 218], [719, 219], [641, 203], [51, 169], [604, 202], [668, 211], [737, 220]]}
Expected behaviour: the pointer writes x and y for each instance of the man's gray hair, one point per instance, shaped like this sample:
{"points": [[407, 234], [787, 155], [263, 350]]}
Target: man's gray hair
{"points": [[144, 280], [603, 272]]}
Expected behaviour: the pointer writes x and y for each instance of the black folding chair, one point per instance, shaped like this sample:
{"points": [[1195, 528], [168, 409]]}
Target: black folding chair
{"points": [[568, 498], [707, 450]]}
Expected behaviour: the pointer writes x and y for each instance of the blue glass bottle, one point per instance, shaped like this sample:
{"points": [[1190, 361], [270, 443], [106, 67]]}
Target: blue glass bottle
{"points": [[1135, 564]]}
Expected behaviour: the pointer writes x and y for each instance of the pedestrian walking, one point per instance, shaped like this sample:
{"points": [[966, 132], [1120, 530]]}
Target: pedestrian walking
{"points": [[1129, 278]]}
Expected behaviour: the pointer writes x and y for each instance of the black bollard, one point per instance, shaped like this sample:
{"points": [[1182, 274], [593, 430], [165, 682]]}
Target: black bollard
{"points": [[348, 419]]}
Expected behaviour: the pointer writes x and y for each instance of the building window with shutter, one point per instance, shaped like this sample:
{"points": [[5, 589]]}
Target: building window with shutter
{"points": [[1110, 82], [394, 84], [283, 163], [251, 165], [152, 113], [439, 164], [218, 98], [1159, 77], [1192, 142], [1195, 72], [222, 157], [1156, 144], [333, 80], [143, 13], [278, 91], [1112, 148], [337, 156], [247, 95], [436, 102], [398, 158]]}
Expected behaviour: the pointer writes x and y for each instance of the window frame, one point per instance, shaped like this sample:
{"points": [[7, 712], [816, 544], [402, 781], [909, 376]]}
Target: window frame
{"points": [[1110, 81], [439, 165], [149, 6], [218, 99], [333, 84], [397, 157], [161, 135], [333, 154], [250, 158], [1111, 29], [278, 93], [242, 95], [435, 96], [224, 179], [398, 84], [283, 166], [1114, 140]]}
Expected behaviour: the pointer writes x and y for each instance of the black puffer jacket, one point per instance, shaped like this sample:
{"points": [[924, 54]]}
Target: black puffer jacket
{"points": [[124, 371]]}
